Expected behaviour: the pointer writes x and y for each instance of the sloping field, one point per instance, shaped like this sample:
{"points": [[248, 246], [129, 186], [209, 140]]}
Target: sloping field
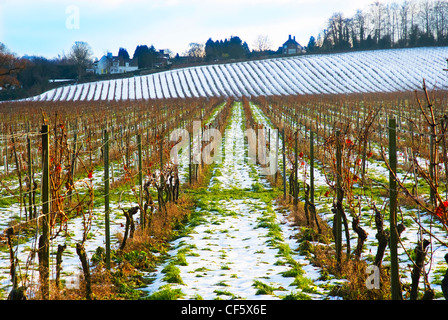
{"points": [[355, 72]]}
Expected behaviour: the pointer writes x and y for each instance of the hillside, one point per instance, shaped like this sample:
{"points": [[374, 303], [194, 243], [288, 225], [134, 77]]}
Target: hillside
{"points": [[354, 72]]}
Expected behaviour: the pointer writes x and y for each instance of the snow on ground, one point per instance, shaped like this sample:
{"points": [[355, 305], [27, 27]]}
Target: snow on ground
{"points": [[234, 170], [71, 265], [367, 71], [377, 170], [229, 241], [229, 252]]}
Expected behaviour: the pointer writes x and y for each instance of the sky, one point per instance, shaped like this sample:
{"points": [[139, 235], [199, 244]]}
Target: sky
{"points": [[50, 27]]}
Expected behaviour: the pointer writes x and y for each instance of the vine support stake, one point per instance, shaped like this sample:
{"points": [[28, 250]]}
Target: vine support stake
{"points": [[5, 163], [339, 197], [393, 245], [44, 240], [189, 157], [161, 161], [140, 178], [312, 167], [106, 197], [284, 163], [73, 165], [296, 174], [277, 138], [30, 178], [432, 169]]}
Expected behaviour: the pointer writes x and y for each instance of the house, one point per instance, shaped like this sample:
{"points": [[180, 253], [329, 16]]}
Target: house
{"points": [[102, 66], [109, 64], [291, 47], [120, 65], [162, 59]]}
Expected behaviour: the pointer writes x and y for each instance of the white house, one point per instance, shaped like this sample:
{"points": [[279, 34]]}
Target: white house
{"points": [[113, 65], [101, 66]]}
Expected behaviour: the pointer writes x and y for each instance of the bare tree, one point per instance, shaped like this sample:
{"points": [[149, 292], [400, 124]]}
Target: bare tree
{"points": [[81, 55], [338, 30], [404, 20], [378, 13], [262, 43], [402, 23], [426, 16], [10, 65], [441, 18], [395, 11], [360, 25], [413, 10], [196, 51]]}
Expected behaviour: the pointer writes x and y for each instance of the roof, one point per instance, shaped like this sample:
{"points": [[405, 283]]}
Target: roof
{"points": [[292, 41]]}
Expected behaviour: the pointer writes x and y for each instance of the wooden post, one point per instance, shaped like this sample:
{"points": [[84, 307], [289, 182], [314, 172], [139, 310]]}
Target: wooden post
{"points": [[44, 240], [189, 157], [106, 197], [6, 156], [312, 167], [296, 174], [18, 167], [128, 157], [90, 147], [73, 165], [364, 158], [269, 138], [276, 155], [432, 169], [393, 245], [30, 179], [339, 198], [445, 162], [284, 163], [161, 162], [140, 178]]}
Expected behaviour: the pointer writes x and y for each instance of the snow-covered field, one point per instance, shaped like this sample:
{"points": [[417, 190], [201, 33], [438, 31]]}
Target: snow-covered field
{"points": [[353, 72], [231, 253], [228, 255]]}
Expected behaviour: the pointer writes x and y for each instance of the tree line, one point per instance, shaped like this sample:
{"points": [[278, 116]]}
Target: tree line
{"points": [[232, 48], [386, 25], [21, 77], [26, 76], [410, 23]]}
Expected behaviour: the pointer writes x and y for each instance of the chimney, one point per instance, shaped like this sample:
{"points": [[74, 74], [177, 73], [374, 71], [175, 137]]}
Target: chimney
{"points": [[294, 38], [289, 37]]}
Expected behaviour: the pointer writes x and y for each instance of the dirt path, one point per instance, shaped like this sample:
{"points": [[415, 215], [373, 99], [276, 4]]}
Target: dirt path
{"points": [[240, 246]]}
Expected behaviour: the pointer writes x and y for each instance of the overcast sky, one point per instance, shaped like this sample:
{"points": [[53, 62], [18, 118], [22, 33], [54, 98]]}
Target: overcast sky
{"points": [[49, 27]]}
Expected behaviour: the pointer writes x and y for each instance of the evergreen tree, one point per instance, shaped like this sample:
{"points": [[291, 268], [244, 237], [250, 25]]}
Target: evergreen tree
{"points": [[210, 50], [233, 48], [146, 56], [123, 53], [311, 44]]}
